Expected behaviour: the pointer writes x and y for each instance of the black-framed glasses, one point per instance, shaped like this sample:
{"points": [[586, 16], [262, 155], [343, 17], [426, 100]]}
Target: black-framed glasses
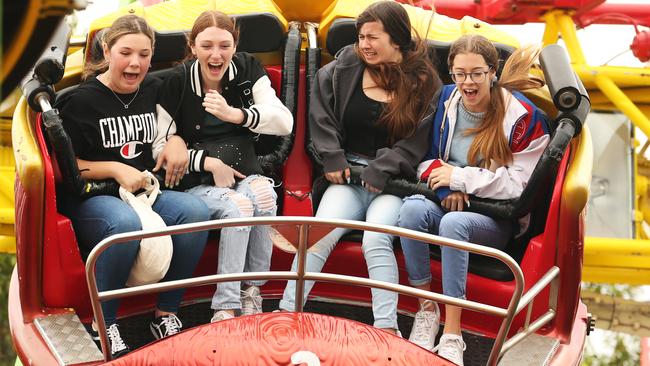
{"points": [[476, 76]]}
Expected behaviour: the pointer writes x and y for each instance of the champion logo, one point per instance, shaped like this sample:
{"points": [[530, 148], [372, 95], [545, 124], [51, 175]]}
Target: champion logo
{"points": [[131, 150]]}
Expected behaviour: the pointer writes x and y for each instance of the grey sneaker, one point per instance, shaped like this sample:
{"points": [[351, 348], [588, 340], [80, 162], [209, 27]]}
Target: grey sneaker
{"points": [[165, 326], [251, 301], [425, 327], [220, 315], [451, 347]]}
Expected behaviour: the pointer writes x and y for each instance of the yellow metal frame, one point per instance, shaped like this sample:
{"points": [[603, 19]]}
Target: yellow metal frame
{"points": [[612, 260]]}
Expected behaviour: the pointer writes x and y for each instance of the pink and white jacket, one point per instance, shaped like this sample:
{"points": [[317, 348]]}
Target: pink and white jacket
{"points": [[526, 129]]}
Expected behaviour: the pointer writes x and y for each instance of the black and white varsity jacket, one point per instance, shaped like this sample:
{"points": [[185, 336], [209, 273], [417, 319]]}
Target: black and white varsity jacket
{"points": [[245, 85]]}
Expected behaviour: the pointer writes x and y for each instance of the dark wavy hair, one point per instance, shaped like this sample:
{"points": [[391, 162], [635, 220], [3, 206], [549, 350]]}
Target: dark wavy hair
{"points": [[411, 83]]}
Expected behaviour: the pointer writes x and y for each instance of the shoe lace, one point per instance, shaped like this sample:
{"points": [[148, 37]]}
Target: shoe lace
{"points": [[451, 348], [423, 324], [117, 343], [172, 324], [251, 303]]}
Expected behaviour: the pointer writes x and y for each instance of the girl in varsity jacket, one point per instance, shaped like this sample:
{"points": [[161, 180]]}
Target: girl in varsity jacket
{"points": [[486, 141], [218, 102]]}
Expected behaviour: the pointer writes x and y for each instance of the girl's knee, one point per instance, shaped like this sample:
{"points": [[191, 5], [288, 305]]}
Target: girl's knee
{"points": [[195, 209], [125, 221], [376, 242], [238, 205], [412, 211], [264, 195], [454, 225]]}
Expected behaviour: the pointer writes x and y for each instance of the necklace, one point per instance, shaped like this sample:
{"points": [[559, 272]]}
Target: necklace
{"points": [[126, 105]]}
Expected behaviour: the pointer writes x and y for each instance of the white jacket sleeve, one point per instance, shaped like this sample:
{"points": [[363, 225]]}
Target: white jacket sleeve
{"points": [[167, 127], [268, 115], [505, 182]]}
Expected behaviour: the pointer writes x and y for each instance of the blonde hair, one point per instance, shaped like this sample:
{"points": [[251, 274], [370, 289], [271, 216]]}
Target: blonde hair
{"points": [[490, 142], [122, 26]]}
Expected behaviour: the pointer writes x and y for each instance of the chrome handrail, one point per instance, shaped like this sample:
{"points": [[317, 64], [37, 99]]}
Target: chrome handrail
{"points": [[303, 224]]}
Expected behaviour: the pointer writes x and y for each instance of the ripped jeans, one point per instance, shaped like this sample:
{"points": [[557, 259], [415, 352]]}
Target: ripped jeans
{"points": [[244, 248], [421, 214]]}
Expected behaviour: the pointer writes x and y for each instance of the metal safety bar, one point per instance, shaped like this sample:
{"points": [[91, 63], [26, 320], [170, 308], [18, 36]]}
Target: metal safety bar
{"points": [[303, 224]]}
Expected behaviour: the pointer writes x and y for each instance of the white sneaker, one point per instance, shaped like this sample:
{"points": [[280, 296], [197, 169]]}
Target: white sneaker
{"points": [[251, 301], [451, 347], [425, 327], [220, 315]]}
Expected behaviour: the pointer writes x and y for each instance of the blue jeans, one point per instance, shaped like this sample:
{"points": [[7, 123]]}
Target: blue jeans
{"points": [[355, 203], [421, 214], [241, 249], [99, 217]]}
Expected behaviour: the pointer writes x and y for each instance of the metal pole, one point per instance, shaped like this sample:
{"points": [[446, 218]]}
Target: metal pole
{"points": [[97, 306], [302, 253]]}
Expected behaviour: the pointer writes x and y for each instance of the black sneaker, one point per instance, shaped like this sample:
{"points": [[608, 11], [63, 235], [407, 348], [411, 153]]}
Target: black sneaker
{"points": [[118, 347], [165, 326]]}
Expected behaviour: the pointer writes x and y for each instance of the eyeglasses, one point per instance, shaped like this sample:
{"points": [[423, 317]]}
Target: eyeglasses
{"points": [[476, 76]]}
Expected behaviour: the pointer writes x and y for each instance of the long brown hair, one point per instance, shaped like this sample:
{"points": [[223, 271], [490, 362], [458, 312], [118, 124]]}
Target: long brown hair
{"points": [[490, 142], [410, 83], [207, 19], [122, 26]]}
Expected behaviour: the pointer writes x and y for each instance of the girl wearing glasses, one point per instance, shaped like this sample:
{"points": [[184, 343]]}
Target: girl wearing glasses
{"points": [[489, 138]]}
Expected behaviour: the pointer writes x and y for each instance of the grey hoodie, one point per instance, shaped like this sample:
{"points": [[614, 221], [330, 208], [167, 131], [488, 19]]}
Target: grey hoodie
{"points": [[330, 94]]}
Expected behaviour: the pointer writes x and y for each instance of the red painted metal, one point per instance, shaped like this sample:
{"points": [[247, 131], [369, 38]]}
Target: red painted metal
{"points": [[509, 11], [609, 13], [280, 339], [29, 236], [570, 249], [567, 352], [641, 46], [520, 12]]}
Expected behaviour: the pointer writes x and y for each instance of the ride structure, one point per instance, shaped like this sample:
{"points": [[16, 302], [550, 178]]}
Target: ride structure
{"points": [[528, 298]]}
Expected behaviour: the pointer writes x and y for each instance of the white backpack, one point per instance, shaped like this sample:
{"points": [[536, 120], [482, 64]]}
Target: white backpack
{"points": [[155, 253]]}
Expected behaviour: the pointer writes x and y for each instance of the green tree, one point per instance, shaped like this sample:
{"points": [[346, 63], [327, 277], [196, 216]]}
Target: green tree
{"points": [[624, 352]]}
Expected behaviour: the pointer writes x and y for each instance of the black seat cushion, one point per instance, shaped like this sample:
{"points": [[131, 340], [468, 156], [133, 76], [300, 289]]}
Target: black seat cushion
{"points": [[342, 32]]}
